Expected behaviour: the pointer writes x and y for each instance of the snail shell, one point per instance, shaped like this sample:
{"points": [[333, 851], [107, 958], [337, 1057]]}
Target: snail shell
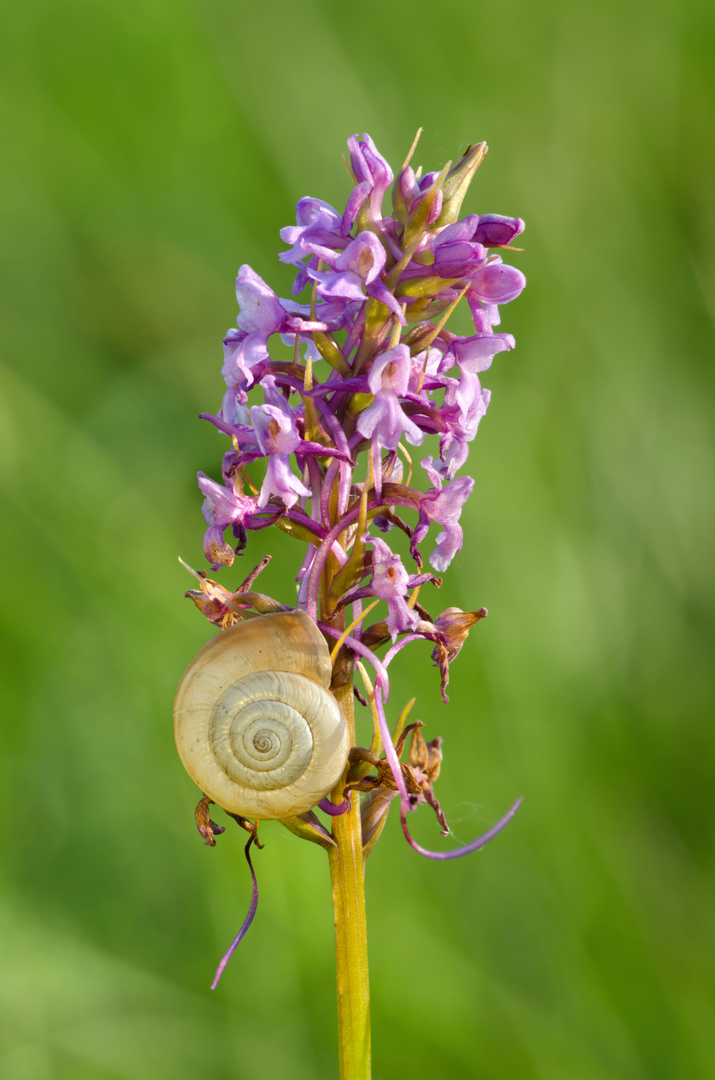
{"points": [[255, 724]]}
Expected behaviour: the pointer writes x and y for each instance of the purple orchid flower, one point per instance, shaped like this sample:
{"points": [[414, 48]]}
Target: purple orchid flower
{"points": [[312, 216], [496, 283], [493, 230], [373, 176], [465, 403], [223, 506], [390, 582], [476, 353], [385, 421], [241, 352], [370, 364], [356, 274], [277, 434], [260, 310], [443, 505]]}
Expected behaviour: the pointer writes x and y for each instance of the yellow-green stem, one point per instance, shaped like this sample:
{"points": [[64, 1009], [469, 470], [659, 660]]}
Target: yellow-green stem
{"points": [[348, 884]]}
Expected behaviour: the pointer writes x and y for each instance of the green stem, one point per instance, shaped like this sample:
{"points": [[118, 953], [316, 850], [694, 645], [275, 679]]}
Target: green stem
{"points": [[348, 883]]}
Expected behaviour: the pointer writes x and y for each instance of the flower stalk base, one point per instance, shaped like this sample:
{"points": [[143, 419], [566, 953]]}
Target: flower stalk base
{"points": [[348, 886]]}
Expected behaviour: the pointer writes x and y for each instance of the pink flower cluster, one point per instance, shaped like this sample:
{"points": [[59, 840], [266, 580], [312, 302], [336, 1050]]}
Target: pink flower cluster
{"points": [[369, 367]]}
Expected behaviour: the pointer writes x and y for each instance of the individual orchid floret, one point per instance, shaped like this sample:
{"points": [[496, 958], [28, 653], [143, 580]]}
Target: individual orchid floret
{"points": [[442, 505], [357, 266], [494, 230], [241, 353], [390, 582], [496, 283], [425, 762], [223, 506], [449, 632], [373, 176], [356, 273], [476, 353], [465, 403], [385, 421], [278, 437], [311, 216], [260, 315], [224, 608], [419, 774], [453, 626], [260, 310]]}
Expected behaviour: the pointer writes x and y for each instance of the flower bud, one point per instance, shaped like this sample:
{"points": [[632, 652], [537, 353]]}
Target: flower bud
{"points": [[457, 183], [495, 230], [404, 192], [425, 209]]}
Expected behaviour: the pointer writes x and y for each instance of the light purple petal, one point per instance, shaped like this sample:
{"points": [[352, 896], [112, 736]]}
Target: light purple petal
{"points": [[280, 481], [390, 372], [241, 352], [476, 353], [385, 422], [460, 230], [275, 428], [260, 309], [369, 166], [365, 257], [344, 286], [497, 283]]}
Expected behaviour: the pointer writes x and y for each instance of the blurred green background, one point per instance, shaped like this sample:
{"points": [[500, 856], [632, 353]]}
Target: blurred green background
{"points": [[151, 147]]}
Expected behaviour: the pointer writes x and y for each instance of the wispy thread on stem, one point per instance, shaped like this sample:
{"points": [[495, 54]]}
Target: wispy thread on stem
{"points": [[466, 849]]}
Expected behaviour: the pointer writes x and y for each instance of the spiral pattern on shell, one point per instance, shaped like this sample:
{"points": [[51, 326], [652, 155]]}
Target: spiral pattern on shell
{"points": [[256, 726]]}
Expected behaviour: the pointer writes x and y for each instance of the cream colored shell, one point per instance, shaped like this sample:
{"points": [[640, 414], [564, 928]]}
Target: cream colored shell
{"points": [[255, 724]]}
